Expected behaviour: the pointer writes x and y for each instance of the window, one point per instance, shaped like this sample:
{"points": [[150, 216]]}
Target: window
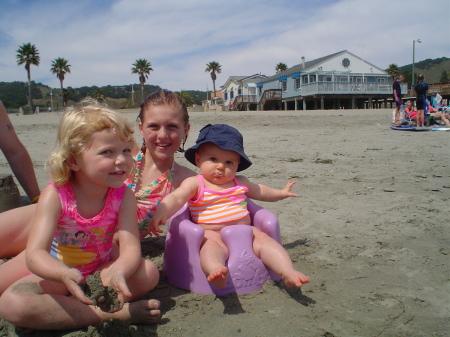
{"points": [[382, 80], [305, 79], [284, 85], [239, 91], [297, 83], [226, 95], [231, 94]]}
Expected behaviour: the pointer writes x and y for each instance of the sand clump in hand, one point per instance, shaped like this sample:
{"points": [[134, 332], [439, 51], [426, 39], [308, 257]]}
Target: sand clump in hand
{"points": [[104, 297]]}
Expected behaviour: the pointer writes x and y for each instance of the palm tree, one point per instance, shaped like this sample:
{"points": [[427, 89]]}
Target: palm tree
{"points": [[393, 70], [28, 54], [143, 68], [60, 67], [214, 68], [187, 98], [280, 67], [99, 95]]}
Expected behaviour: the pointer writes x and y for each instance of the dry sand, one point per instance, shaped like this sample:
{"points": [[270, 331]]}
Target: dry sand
{"points": [[369, 227]]}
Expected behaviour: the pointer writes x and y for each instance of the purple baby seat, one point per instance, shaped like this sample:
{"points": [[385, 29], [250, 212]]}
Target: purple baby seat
{"points": [[247, 272]]}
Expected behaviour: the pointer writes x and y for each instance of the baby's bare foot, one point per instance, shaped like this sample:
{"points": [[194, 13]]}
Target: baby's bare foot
{"points": [[144, 311], [294, 279], [219, 277]]}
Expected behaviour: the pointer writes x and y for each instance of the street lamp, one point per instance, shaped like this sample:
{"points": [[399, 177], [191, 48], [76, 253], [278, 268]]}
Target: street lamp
{"points": [[414, 51], [51, 98]]}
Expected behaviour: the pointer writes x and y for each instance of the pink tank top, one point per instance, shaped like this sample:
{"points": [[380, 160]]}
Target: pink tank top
{"points": [[82, 243], [219, 206]]}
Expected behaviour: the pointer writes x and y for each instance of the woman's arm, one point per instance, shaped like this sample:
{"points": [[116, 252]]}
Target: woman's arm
{"points": [[17, 156], [266, 193]]}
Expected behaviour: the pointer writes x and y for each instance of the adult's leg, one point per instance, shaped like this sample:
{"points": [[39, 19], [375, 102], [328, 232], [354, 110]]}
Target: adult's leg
{"points": [[13, 270], [397, 115], [15, 226], [274, 256]]}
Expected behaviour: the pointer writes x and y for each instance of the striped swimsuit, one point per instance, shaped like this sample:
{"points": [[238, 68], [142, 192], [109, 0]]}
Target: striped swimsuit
{"points": [[219, 206]]}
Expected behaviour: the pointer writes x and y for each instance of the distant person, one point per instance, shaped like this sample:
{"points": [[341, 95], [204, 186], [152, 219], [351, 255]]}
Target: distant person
{"points": [[421, 89], [439, 116], [397, 92], [410, 111], [17, 156]]}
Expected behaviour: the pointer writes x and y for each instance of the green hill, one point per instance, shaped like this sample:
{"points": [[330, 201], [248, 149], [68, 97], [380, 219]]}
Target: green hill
{"points": [[431, 69], [14, 95]]}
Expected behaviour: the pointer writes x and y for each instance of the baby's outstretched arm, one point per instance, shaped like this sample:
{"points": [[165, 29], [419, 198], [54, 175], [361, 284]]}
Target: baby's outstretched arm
{"points": [[266, 193], [286, 191], [172, 203]]}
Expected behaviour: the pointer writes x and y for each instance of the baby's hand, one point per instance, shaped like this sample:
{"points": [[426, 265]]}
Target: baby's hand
{"points": [[74, 282], [286, 191], [153, 228]]}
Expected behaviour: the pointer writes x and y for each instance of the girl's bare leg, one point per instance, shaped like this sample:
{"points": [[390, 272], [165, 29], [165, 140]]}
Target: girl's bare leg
{"points": [[274, 256], [213, 255], [39, 304], [15, 226]]}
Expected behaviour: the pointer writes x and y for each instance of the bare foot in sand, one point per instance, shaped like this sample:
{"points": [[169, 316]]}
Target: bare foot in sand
{"points": [[144, 311], [219, 277], [294, 279]]}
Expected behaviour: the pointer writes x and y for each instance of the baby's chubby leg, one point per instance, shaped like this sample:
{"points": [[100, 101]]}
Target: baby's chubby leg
{"points": [[274, 256], [213, 255]]}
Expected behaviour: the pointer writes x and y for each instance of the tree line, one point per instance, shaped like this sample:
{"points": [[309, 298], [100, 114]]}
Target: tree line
{"points": [[443, 78]]}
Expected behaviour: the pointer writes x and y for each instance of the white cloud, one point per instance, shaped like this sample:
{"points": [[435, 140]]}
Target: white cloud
{"points": [[101, 39]]}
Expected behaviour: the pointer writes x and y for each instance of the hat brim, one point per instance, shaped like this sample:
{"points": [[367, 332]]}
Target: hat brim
{"points": [[244, 164]]}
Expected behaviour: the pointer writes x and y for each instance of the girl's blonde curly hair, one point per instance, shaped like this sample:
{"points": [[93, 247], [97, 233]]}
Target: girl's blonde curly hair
{"points": [[74, 133]]}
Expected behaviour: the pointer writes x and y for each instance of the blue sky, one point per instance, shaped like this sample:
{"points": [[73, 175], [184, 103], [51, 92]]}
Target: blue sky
{"points": [[102, 39]]}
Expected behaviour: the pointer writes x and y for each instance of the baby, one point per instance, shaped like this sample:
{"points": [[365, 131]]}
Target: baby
{"points": [[217, 198]]}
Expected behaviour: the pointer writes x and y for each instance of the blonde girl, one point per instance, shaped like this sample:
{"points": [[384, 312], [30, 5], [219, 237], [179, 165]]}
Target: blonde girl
{"points": [[91, 160]]}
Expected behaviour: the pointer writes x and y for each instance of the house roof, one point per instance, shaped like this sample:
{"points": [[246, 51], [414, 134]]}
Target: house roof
{"points": [[310, 65], [243, 78]]}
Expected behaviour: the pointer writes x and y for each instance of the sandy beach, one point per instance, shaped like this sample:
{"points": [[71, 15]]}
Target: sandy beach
{"points": [[369, 227]]}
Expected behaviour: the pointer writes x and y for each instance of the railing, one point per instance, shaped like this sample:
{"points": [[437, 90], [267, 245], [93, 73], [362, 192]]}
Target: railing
{"points": [[243, 99], [348, 88], [270, 95], [441, 89]]}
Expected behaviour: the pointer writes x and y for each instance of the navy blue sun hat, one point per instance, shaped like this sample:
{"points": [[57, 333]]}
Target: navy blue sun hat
{"points": [[224, 136]]}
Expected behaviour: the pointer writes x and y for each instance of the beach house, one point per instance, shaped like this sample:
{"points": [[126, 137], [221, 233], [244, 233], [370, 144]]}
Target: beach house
{"points": [[338, 81], [242, 92]]}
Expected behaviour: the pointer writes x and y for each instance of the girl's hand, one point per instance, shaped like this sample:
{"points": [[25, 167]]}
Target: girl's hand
{"points": [[286, 191], [74, 282], [118, 283]]}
